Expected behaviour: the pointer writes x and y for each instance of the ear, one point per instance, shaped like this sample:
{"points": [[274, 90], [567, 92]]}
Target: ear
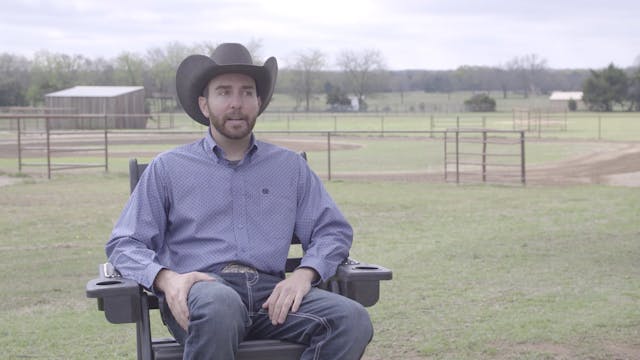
{"points": [[202, 102], [259, 102]]}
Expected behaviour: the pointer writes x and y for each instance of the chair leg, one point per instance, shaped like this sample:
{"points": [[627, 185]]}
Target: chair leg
{"points": [[143, 331]]}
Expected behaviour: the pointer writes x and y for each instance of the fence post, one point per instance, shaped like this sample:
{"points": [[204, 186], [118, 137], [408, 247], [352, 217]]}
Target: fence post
{"points": [[432, 125], [19, 146], [457, 156], [382, 125], [106, 144], [329, 155], [484, 156], [522, 160], [446, 137], [47, 129], [599, 127]]}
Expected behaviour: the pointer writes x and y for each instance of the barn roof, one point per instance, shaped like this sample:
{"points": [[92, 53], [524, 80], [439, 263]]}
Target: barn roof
{"points": [[95, 91], [566, 95]]}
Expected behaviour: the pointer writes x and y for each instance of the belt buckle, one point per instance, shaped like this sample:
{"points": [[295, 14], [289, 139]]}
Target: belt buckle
{"points": [[238, 268]]}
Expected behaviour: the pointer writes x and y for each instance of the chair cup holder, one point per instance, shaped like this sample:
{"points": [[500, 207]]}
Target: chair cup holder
{"points": [[366, 267], [109, 282]]}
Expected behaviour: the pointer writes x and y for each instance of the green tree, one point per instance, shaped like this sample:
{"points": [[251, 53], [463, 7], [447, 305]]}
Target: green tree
{"points": [[129, 69], [480, 103], [337, 99], [52, 72], [605, 88], [14, 80], [634, 90]]}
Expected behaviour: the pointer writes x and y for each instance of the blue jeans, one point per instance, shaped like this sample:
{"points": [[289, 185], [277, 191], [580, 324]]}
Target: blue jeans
{"points": [[229, 310]]}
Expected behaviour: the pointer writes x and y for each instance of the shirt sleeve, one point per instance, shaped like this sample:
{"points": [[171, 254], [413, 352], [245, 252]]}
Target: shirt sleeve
{"points": [[324, 232], [140, 230]]}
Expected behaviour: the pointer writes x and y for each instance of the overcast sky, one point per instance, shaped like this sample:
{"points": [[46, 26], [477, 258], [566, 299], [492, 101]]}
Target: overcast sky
{"points": [[410, 34]]}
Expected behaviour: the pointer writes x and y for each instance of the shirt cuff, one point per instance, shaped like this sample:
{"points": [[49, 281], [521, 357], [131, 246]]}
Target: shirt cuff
{"points": [[149, 276], [319, 266]]}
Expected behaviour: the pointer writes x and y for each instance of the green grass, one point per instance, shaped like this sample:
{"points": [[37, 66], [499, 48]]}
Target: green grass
{"points": [[480, 272]]}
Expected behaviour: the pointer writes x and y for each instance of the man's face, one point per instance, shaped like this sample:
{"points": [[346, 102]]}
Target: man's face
{"points": [[232, 105]]}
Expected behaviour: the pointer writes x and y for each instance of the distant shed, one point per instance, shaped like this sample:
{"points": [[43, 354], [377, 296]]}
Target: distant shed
{"points": [[560, 99], [118, 102]]}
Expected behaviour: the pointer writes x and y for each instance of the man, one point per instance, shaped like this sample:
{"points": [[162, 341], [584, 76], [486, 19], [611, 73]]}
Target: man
{"points": [[209, 225]]}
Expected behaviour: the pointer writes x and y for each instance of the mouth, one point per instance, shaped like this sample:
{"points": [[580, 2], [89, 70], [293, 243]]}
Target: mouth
{"points": [[235, 117]]}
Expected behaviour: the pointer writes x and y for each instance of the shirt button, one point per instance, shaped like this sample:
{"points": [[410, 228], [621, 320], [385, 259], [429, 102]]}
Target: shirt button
{"points": [[240, 226]]}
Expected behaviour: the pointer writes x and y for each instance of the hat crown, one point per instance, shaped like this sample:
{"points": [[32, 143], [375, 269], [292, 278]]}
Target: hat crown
{"points": [[231, 54]]}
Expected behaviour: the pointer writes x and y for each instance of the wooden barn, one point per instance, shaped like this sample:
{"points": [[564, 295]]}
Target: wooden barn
{"points": [[124, 106]]}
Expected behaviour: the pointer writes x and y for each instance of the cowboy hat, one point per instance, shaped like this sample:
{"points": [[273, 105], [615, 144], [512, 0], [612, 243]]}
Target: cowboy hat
{"points": [[196, 71]]}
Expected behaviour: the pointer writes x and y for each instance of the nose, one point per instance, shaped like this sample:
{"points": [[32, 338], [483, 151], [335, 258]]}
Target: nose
{"points": [[235, 102]]}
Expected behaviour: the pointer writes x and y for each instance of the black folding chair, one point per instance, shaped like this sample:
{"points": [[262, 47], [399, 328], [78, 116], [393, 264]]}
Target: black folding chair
{"points": [[125, 301]]}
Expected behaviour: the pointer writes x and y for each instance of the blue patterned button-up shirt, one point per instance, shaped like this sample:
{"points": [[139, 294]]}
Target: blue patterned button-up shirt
{"points": [[195, 211]]}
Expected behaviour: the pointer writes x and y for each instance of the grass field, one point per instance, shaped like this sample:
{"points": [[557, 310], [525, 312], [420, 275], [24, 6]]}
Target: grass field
{"points": [[480, 272]]}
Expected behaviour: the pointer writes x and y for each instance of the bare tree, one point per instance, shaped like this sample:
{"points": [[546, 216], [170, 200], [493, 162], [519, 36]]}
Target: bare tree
{"points": [[527, 70], [254, 46], [307, 69], [361, 68]]}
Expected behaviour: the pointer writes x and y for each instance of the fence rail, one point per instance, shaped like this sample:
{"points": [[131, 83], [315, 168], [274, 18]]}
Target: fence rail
{"points": [[56, 143], [478, 162]]}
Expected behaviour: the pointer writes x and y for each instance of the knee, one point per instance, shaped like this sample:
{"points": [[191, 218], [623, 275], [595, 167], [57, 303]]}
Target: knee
{"points": [[215, 301], [357, 323]]}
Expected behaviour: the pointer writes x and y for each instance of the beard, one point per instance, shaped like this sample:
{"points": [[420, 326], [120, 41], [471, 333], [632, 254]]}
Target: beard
{"points": [[233, 126]]}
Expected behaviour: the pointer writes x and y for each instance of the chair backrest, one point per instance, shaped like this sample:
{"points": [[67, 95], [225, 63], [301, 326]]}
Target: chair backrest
{"points": [[135, 172]]}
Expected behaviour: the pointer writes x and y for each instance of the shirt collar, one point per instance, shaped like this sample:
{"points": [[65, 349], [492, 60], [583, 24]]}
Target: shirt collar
{"points": [[212, 147]]}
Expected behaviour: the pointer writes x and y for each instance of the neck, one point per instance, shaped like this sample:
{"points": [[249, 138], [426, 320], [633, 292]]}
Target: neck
{"points": [[234, 149]]}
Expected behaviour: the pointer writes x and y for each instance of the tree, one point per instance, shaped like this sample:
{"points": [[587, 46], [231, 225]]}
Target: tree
{"points": [[129, 69], [163, 63], [605, 88], [633, 94], [14, 80], [336, 98], [52, 72], [361, 68], [307, 69], [527, 71], [480, 103]]}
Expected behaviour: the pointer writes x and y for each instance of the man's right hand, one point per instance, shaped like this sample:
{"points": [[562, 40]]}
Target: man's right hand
{"points": [[176, 290]]}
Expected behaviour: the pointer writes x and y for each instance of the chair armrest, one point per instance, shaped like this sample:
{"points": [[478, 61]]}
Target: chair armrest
{"points": [[359, 281], [118, 297]]}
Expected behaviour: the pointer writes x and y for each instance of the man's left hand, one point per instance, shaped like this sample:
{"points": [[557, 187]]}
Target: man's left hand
{"points": [[288, 294]]}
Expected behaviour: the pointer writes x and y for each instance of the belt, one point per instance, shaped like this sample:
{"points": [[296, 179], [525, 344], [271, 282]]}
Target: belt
{"points": [[239, 268]]}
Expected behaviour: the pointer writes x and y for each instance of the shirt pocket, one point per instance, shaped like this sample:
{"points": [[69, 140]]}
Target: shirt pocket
{"points": [[277, 205]]}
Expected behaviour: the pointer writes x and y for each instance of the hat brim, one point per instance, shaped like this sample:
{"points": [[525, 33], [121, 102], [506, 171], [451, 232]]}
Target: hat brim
{"points": [[196, 71]]}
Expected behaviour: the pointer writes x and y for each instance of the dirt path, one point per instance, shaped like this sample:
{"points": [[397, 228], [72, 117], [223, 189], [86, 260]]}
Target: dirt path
{"points": [[618, 164]]}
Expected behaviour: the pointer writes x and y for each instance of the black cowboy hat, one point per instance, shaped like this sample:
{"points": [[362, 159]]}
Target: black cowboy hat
{"points": [[195, 72]]}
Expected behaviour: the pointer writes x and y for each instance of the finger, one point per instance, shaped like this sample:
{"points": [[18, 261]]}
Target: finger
{"points": [[180, 313], [297, 302], [272, 303], [283, 309], [198, 276]]}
